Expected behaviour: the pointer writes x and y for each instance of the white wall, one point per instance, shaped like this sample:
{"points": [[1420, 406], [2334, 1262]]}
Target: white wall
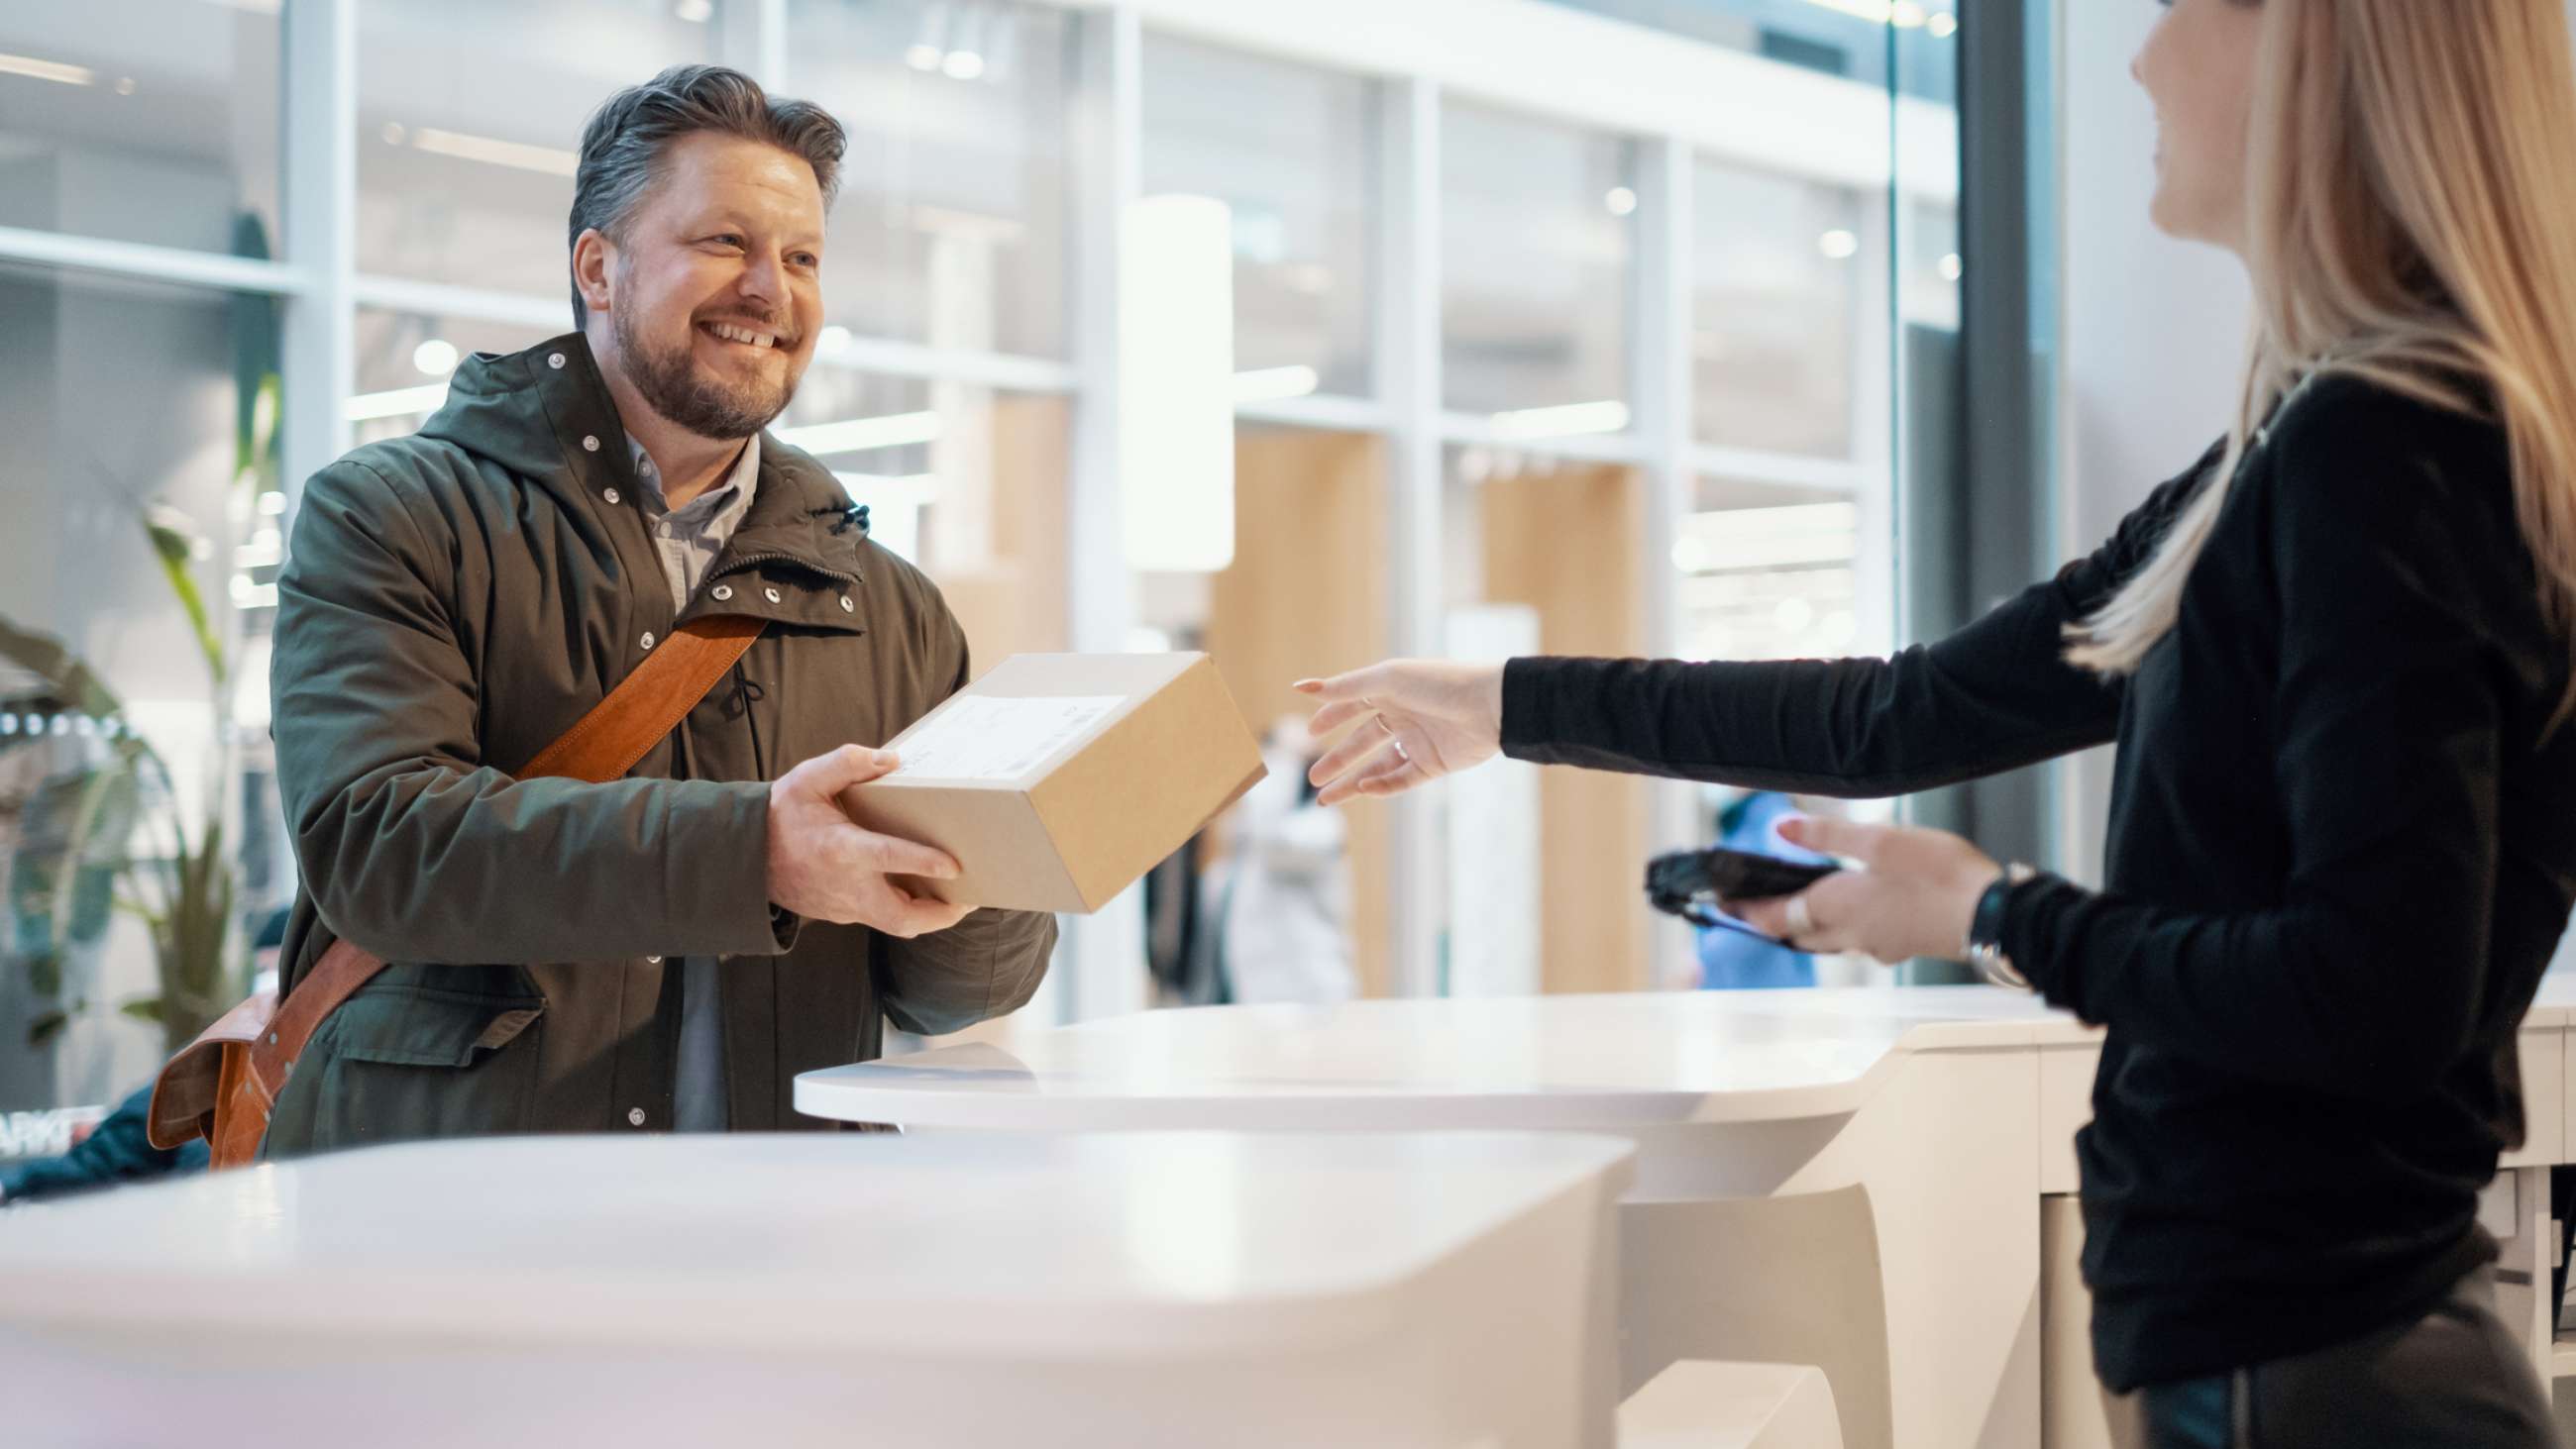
{"points": [[2154, 333]]}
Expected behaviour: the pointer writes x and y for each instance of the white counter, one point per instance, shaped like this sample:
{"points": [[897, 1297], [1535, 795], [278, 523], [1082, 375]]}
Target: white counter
{"points": [[995, 1290], [1553, 1061]]}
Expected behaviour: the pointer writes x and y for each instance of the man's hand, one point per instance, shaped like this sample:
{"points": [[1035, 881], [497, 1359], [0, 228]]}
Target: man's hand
{"points": [[824, 867]]}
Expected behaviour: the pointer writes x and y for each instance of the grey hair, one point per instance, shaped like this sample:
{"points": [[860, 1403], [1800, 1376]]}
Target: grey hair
{"points": [[623, 146]]}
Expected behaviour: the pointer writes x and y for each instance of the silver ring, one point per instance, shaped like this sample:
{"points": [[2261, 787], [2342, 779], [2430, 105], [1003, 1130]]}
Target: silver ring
{"points": [[1800, 923]]}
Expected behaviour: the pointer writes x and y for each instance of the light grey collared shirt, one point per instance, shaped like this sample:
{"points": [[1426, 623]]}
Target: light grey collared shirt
{"points": [[688, 539]]}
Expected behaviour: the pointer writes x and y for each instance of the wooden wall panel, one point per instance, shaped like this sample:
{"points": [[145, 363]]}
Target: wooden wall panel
{"points": [[1307, 595], [1568, 543]]}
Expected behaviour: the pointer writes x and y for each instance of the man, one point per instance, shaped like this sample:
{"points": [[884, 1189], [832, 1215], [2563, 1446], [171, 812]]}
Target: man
{"points": [[669, 950]]}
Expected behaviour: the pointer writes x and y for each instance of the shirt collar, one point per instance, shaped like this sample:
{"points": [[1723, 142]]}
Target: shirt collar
{"points": [[733, 495]]}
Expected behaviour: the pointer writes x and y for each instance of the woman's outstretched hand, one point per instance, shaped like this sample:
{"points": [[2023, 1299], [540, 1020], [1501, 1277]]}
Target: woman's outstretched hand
{"points": [[1419, 719]]}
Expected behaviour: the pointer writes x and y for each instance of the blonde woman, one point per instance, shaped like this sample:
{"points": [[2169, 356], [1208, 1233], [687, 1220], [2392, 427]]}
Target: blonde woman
{"points": [[2336, 656]]}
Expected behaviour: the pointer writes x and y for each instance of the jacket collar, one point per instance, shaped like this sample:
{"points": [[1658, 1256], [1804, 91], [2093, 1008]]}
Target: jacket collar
{"points": [[546, 415]]}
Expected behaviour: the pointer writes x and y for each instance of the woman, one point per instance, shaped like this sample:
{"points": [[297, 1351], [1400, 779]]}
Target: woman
{"points": [[2336, 654]]}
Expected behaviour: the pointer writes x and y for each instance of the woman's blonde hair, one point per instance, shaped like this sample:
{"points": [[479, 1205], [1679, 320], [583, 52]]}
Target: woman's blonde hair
{"points": [[2411, 220]]}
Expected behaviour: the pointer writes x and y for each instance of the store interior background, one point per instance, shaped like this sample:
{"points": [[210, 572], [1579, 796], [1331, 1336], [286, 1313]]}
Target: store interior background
{"points": [[1602, 327]]}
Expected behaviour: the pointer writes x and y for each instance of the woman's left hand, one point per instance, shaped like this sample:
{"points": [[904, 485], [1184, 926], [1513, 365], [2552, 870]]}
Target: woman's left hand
{"points": [[1915, 896]]}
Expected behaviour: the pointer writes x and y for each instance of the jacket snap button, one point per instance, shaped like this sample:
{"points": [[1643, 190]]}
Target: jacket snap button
{"points": [[554, 359], [634, 1116], [723, 592], [770, 594], [846, 606], [611, 496], [590, 442], [648, 638]]}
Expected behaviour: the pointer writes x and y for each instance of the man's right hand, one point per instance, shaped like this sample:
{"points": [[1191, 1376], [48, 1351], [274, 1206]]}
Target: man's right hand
{"points": [[824, 867]]}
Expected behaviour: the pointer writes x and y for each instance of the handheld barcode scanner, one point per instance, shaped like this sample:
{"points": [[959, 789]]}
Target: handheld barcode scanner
{"points": [[1698, 885]]}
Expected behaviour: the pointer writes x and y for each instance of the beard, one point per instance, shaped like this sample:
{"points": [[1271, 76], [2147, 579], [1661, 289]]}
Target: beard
{"points": [[672, 385]]}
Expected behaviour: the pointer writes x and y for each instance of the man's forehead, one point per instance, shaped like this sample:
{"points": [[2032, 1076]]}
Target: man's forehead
{"points": [[713, 171]]}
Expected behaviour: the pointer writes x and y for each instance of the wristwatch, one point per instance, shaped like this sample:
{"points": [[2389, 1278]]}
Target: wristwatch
{"points": [[1986, 930]]}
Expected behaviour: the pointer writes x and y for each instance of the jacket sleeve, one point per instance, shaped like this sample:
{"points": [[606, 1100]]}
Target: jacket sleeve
{"points": [[1994, 696], [988, 964], [413, 846], [2390, 710]]}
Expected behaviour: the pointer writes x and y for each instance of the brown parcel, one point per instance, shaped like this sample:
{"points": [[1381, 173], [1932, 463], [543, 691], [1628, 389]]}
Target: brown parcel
{"points": [[1058, 780]]}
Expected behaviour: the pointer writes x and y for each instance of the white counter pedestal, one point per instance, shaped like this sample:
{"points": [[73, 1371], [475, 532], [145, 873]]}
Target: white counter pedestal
{"points": [[1926, 1100]]}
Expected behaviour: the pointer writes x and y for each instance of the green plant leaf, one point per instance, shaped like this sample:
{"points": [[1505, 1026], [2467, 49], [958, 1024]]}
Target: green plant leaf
{"points": [[67, 680], [46, 1027], [45, 972], [142, 1008], [174, 542]]}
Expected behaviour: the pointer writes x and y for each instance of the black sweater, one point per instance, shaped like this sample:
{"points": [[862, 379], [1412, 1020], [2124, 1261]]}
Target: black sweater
{"points": [[2342, 850]]}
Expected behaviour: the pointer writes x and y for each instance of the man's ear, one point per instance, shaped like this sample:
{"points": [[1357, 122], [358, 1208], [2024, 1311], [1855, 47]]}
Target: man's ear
{"points": [[592, 255]]}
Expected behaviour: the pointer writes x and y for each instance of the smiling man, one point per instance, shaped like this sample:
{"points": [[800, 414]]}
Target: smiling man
{"points": [[668, 950]]}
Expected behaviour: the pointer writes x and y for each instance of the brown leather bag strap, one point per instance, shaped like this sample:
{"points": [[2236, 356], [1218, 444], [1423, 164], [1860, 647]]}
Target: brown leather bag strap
{"points": [[649, 703], [601, 746]]}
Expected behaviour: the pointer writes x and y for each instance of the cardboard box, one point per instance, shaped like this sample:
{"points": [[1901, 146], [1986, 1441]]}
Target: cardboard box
{"points": [[1058, 780]]}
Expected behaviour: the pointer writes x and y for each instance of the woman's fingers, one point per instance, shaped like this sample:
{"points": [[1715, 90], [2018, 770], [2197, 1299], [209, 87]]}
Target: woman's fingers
{"points": [[1341, 688], [1333, 716], [1356, 749], [1846, 838], [1390, 773], [1393, 776]]}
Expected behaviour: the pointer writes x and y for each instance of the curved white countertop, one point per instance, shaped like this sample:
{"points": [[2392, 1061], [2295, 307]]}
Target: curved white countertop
{"points": [[1172, 1247], [1615, 1061]]}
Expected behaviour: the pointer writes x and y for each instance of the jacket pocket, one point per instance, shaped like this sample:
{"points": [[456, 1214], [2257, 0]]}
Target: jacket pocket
{"points": [[399, 1063]]}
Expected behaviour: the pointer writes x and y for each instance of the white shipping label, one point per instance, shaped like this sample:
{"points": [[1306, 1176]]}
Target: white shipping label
{"points": [[985, 737]]}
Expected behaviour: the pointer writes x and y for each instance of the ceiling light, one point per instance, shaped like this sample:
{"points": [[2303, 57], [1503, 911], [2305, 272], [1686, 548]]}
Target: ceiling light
{"points": [[1620, 200], [962, 65], [1906, 14], [1953, 267], [1838, 244], [831, 341], [858, 435], [1270, 384], [696, 12], [51, 70], [1943, 25], [548, 159], [401, 402], [436, 357], [924, 57], [1566, 421]]}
